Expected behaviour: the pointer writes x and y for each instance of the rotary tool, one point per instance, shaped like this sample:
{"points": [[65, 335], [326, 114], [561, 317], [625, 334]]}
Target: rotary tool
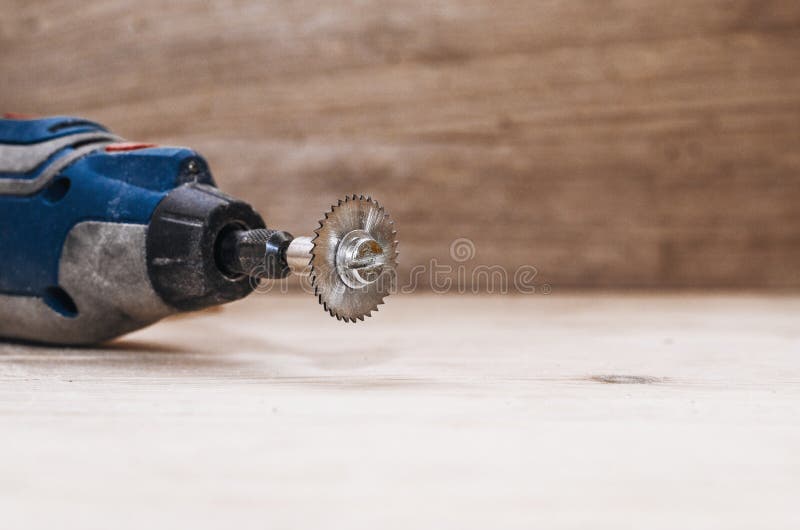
{"points": [[100, 237]]}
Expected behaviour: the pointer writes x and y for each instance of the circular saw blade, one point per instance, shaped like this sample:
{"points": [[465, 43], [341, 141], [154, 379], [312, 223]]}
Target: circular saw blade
{"points": [[354, 213]]}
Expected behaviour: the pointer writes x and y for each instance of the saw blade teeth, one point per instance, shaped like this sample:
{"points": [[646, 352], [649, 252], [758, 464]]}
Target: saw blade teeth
{"points": [[354, 212]]}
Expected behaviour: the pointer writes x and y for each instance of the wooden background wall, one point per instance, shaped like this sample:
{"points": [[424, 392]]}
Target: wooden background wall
{"points": [[606, 142]]}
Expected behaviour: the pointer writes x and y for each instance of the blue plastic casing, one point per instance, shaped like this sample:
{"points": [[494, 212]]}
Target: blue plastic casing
{"points": [[118, 187]]}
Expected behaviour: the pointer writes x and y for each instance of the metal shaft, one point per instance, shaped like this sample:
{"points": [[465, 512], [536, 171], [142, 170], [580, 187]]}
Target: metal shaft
{"points": [[298, 255]]}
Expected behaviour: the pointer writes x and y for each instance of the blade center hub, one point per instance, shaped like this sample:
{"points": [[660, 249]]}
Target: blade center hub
{"points": [[360, 259]]}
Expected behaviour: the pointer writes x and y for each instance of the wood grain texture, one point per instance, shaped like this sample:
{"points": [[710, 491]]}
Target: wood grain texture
{"points": [[608, 142], [553, 411]]}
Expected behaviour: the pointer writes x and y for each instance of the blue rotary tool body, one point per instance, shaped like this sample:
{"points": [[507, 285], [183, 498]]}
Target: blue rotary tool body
{"points": [[99, 237]]}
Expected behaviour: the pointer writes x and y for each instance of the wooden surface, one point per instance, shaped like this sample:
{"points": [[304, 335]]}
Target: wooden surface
{"points": [[558, 411], [624, 142]]}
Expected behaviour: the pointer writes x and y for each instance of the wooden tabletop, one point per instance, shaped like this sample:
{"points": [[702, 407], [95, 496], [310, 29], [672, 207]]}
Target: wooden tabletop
{"points": [[559, 411]]}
